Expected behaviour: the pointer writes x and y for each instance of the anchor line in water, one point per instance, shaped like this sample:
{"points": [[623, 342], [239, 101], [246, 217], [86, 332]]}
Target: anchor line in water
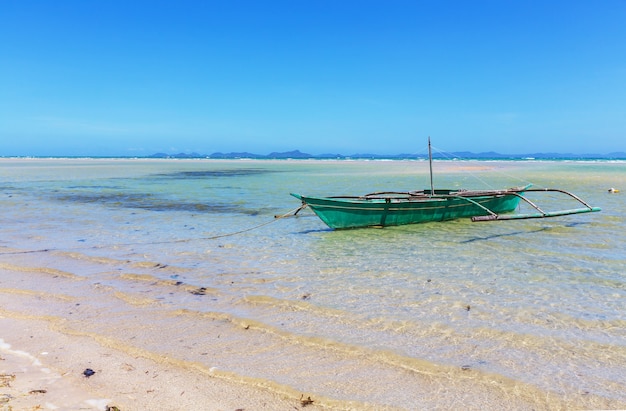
{"points": [[293, 212], [44, 250]]}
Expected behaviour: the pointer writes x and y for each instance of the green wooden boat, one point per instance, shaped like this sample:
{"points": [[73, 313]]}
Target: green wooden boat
{"points": [[398, 208], [392, 208]]}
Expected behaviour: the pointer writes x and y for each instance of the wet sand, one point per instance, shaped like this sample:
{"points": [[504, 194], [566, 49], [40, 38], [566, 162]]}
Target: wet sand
{"points": [[44, 369], [44, 355], [51, 326]]}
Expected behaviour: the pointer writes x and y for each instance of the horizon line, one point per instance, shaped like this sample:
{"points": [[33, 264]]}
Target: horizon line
{"points": [[297, 154]]}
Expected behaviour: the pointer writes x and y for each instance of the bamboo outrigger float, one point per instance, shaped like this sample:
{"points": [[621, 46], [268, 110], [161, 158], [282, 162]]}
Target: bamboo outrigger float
{"points": [[391, 208]]}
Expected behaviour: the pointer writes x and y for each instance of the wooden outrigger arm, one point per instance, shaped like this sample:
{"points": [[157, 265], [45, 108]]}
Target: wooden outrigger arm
{"points": [[540, 214]]}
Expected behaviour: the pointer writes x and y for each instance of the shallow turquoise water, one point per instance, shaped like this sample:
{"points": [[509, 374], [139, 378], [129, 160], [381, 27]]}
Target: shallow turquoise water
{"points": [[537, 302]]}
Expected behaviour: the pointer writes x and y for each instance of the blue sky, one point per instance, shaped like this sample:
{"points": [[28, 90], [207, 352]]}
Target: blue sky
{"points": [[114, 77]]}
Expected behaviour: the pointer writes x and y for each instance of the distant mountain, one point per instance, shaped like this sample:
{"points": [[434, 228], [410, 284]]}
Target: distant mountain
{"points": [[290, 154], [297, 154], [233, 155], [179, 155]]}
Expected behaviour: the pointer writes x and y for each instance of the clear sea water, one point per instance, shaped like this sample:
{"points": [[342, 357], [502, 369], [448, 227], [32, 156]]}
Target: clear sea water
{"points": [[185, 261]]}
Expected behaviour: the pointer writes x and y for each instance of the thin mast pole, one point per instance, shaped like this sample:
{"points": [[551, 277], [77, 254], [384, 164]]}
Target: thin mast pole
{"points": [[430, 162]]}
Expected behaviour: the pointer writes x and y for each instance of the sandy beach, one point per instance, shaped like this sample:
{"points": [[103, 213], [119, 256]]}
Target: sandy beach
{"points": [[51, 360], [43, 369], [45, 355], [48, 362]]}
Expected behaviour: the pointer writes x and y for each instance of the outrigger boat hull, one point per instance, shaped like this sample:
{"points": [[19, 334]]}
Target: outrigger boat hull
{"points": [[399, 208], [391, 209]]}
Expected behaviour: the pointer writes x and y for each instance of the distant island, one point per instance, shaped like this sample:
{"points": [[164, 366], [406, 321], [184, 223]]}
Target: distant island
{"points": [[465, 155]]}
